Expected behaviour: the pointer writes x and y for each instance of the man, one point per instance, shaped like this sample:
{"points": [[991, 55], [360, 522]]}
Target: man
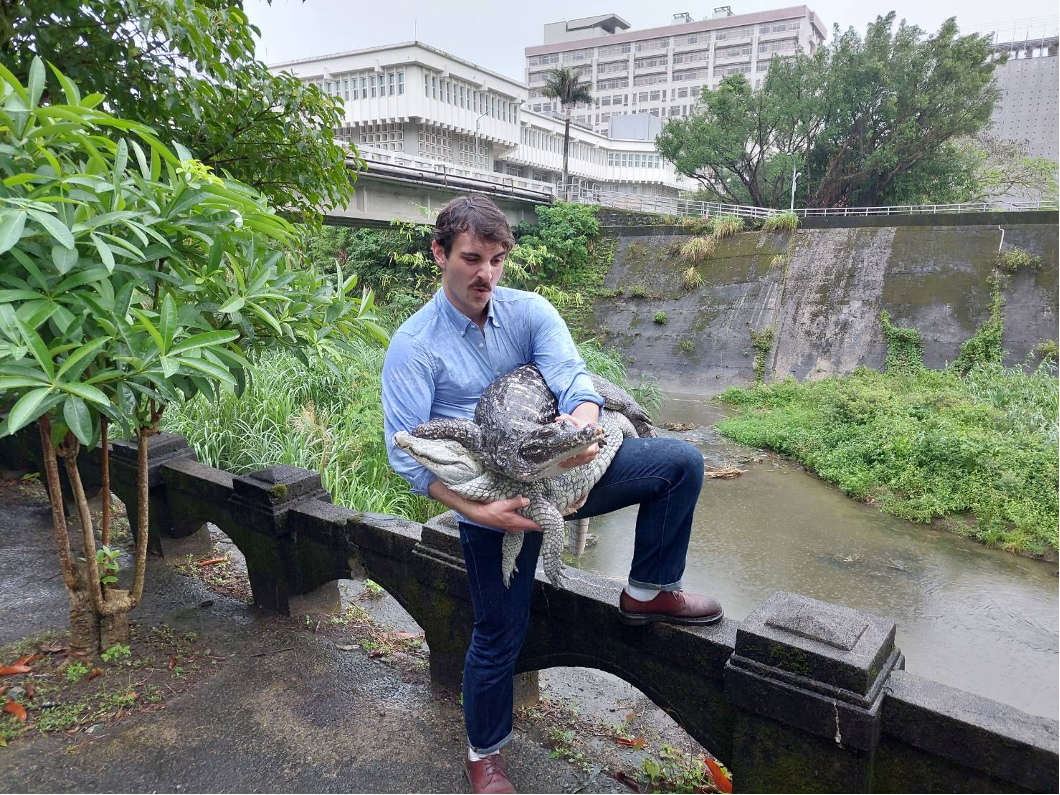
{"points": [[439, 361]]}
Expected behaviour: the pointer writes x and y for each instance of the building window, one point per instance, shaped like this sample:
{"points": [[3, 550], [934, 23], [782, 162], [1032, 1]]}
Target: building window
{"points": [[613, 82], [382, 136], [653, 44], [614, 49], [401, 82], [696, 56], [648, 63], [435, 143], [734, 33]]}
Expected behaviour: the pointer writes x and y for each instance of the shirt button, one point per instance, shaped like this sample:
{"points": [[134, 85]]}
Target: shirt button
{"points": [[481, 344]]}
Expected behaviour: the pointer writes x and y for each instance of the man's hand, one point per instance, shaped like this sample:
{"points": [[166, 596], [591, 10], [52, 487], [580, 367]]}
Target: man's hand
{"points": [[502, 515], [590, 415]]}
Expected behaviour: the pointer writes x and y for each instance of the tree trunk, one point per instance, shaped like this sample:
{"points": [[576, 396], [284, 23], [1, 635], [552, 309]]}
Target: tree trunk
{"points": [[566, 153], [84, 625], [104, 467], [141, 515]]}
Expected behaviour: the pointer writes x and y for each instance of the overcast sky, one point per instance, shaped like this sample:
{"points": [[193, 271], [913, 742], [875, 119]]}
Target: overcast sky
{"points": [[493, 34]]}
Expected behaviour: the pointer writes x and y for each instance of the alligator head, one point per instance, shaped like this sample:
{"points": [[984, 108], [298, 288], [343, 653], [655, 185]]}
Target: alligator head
{"points": [[538, 453], [450, 461]]}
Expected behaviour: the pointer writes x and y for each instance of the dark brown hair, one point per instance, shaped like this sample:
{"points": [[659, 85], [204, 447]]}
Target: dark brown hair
{"points": [[477, 215]]}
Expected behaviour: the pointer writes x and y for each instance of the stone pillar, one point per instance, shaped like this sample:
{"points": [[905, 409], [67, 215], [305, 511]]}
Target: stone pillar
{"points": [[259, 505], [807, 680], [162, 448]]}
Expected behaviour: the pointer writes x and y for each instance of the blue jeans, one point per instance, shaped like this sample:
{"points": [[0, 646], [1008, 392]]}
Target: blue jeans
{"points": [[664, 476]]}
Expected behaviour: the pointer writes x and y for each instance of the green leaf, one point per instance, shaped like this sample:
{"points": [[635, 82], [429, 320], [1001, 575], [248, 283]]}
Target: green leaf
{"points": [[232, 305], [73, 96], [16, 382], [78, 418], [64, 258], [89, 393], [105, 254], [11, 229], [168, 320], [26, 409], [207, 339], [170, 367], [82, 354], [37, 348], [208, 368], [36, 81], [150, 327], [56, 228], [266, 316]]}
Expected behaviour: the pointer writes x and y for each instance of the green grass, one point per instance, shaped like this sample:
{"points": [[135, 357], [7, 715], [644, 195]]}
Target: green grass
{"points": [[979, 450], [781, 222], [698, 249], [329, 422]]}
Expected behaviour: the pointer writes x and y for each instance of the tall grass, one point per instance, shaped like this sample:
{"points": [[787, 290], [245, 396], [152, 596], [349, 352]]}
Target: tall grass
{"points": [[330, 422], [977, 451], [698, 249], [726, 226], [782, 222]]}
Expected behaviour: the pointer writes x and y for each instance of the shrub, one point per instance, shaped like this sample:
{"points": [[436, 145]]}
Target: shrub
{"points": [[696, 226], [687, 346], [698, 249], [726, 226], [637, 291], [777, 261], [693, 279], [1016, 258], [762, 342], [782, 222], [568, 232], [1049, 350], [660, 318]]}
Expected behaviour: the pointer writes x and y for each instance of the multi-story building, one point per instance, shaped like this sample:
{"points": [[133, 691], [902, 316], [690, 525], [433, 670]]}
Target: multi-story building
{"points": [[421, 103], [1028, 111], [663, 70]]}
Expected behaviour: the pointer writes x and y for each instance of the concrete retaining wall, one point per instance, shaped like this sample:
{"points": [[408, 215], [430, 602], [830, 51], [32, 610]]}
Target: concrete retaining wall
{"points": [[822, 291]]}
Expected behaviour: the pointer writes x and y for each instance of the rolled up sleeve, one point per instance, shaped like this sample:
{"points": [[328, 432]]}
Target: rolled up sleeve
{"points": [[408, 393], [556, 356]]}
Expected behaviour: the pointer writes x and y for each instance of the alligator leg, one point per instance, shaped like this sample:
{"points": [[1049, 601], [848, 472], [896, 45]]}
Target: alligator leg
{"points": [[511, 546]]}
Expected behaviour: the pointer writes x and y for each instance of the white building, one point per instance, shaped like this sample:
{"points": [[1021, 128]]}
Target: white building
{"points": [[662, 70], [412, 101]]}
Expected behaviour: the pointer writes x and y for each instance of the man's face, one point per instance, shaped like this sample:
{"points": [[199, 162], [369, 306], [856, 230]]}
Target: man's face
{"points": [[470, 272]]}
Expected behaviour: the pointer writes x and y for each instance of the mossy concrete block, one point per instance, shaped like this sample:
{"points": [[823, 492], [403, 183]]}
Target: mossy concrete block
{"points": [[948, 730], [815, 666]]}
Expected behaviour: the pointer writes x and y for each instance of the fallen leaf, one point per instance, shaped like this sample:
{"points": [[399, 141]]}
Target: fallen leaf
{"points": [[172, 662], [94, 673], [375, 653], [8, 670], [631, 717], [632, 783], [52, 648], [213, 561], [637, 742], [346, 646], [721, 781], [406, 635], [29, 659], [16, 709], [31, 690], [3, 690]]}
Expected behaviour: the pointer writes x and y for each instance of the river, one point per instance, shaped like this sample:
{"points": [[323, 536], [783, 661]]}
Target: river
{"points": [[979, 619]]}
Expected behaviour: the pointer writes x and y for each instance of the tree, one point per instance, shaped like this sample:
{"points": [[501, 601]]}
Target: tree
{"points": [[867, 121], [187, 69], [131, 277], [566, 86]]}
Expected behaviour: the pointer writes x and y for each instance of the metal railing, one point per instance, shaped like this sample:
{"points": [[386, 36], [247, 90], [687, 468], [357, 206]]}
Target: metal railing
{"points": [[669, 205]]}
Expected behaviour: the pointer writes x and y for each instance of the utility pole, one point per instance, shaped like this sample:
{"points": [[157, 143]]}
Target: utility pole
{"points": [[476, 136], [794, 178]]}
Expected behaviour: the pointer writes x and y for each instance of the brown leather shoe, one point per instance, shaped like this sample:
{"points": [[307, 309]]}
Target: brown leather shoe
{"points": [[673, 607], [487, 775]]}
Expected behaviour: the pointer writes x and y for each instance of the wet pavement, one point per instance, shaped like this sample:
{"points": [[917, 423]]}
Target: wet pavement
{"points": [[287, 711]]}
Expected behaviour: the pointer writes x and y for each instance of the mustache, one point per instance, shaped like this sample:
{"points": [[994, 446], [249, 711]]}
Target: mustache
{"points": [[480, 285]]}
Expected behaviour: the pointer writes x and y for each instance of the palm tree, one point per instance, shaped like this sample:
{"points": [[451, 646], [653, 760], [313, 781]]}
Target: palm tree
{"points": [[566, 86]]}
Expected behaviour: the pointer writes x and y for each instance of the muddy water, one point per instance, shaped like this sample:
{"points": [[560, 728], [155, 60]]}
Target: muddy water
{"points": [[974, 618]]}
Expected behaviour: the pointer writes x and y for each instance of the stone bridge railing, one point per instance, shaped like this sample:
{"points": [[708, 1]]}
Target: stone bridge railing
{"points": [[800, 696]]}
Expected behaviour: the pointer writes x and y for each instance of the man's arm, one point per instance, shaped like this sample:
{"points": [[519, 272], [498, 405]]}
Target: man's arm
{"points": [[500, 514]]}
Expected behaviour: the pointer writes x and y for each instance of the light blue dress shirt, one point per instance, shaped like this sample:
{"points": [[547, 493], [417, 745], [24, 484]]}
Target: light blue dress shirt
{"points": [[439, 362]]}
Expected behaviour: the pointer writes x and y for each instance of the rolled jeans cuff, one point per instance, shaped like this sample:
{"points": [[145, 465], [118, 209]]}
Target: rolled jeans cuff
{"points": [[493, 748], [654, 586]]}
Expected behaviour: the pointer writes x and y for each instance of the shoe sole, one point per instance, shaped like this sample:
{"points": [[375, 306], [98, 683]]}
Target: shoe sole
{"points": [[639, 619]]}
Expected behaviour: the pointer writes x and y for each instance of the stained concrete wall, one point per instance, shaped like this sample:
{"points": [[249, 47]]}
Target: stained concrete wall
{"points": [[822, 290]]}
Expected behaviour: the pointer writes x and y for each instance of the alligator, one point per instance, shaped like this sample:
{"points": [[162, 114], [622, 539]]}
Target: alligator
{"points": [[514, 431], [550, 497], [514, 446]]}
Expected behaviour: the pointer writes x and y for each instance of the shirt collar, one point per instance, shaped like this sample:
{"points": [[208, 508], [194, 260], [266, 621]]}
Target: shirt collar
{"points": [[460, 321]]}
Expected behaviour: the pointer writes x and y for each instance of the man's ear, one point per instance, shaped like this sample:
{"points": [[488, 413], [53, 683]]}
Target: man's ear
{"points": [[439, 254]]}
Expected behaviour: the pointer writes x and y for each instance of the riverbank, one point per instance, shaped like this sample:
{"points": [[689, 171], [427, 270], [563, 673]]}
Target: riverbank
{"points": [[975, 453]]}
